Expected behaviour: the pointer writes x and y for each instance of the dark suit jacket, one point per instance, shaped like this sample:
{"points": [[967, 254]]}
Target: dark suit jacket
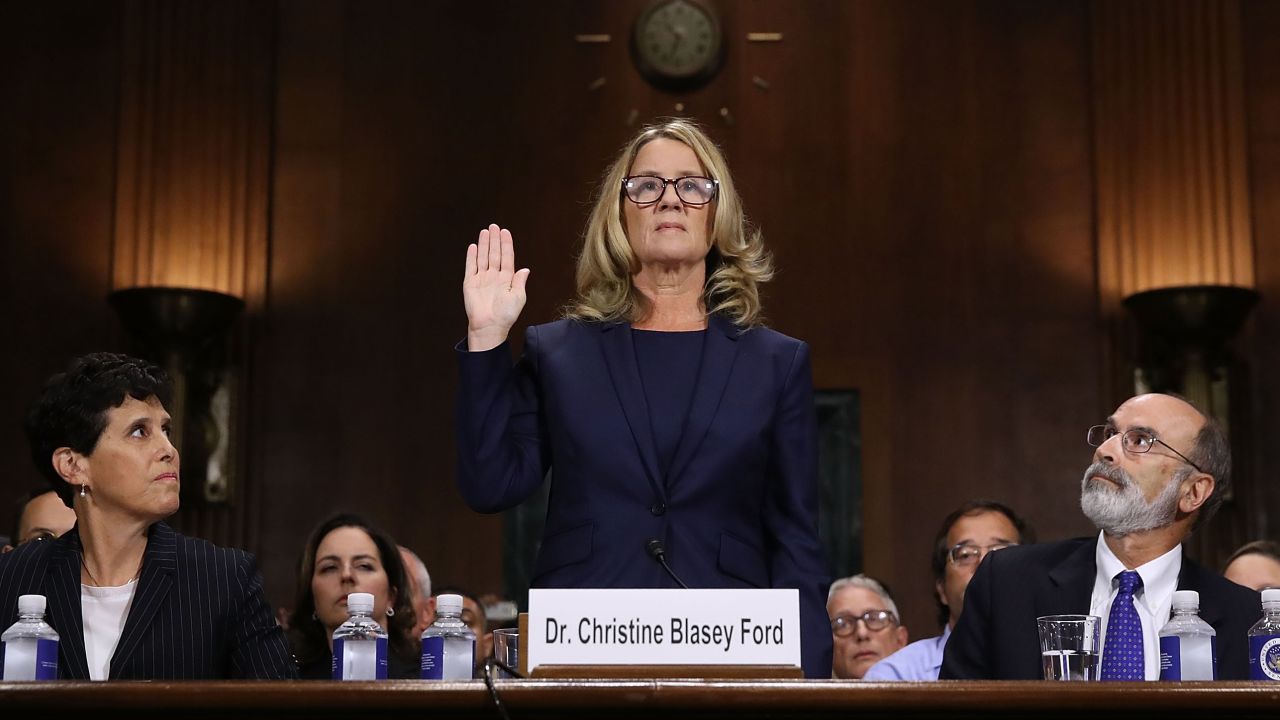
{"points": [[739, 507], [198, 612], [996, 637]]}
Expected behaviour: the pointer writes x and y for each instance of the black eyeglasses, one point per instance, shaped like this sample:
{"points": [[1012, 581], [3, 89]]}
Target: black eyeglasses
{"points": [[1134, 441], [875, 620], [966, 554], [691, 189]]}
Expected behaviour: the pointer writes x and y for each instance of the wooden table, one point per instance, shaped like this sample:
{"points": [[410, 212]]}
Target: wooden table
{"points": [[649, 699]]}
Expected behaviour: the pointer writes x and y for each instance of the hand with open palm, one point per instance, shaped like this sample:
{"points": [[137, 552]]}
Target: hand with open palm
{"points": [[492, 289]]}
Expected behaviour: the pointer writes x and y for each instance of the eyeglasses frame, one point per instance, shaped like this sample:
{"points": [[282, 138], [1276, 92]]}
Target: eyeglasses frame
{"points": [[1153, 436], [851, 622], [715, 192]]}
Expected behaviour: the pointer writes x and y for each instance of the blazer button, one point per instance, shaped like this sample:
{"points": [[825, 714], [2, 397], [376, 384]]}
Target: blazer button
{"points": [[658, 508]]}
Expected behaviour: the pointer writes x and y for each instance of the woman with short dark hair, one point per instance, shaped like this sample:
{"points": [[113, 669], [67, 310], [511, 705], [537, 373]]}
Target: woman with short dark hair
{"points": [[131, 598]]}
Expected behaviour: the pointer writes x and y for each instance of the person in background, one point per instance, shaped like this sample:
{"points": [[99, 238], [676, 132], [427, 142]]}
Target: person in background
{"points": [[346, 554], [659, 404], [131, 598], [474, 617], [1160, 469], [964, 539], [865, 625], [41, 516], [418, 585], [1255, 565]]}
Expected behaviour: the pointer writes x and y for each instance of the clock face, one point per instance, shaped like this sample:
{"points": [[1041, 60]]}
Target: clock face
{"points": [[677, 43]]}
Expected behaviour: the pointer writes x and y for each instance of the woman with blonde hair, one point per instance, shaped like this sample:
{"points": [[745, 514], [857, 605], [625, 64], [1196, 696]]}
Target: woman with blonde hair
{"points": [[662, 407]]}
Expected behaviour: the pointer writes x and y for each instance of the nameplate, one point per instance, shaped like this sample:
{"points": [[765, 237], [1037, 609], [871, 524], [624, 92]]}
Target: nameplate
{"points": [[663, 627]]}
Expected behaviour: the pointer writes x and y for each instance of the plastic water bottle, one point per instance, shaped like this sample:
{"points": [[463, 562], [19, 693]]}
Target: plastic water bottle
{"points": [[1188, 645], [448, 646], [1264, 639], [360, 643], [30, 647]]}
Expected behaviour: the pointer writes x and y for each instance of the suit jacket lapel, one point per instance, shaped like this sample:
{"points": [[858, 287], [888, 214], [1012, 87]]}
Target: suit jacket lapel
{"points": [[1192, 577], [63, 600], [719, 350], [620, 359], [159, 565], [1073, 578]]}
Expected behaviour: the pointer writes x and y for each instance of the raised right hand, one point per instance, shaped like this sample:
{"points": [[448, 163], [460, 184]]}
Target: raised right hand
{"points": [[492, 289]]}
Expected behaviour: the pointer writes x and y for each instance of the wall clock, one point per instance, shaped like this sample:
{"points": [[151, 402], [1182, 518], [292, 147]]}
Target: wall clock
{"points": [[677, 44]]}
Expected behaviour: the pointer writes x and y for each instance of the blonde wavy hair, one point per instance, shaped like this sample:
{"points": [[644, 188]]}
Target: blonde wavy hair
{"points": [[736, 264]]}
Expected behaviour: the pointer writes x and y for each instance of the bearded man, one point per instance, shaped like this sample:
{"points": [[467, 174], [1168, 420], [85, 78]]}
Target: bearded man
{"points": [[1160, 470]]}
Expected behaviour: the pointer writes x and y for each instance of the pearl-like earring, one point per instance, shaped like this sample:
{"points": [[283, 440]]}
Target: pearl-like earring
{"points": [[391, 612], [83, 491]]}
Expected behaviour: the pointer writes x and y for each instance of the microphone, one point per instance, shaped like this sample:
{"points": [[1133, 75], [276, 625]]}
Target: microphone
{"points": [[659, 553]]}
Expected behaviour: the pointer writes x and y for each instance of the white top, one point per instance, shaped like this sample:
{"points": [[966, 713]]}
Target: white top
{"points": [[104, 610], [1153, 600]]}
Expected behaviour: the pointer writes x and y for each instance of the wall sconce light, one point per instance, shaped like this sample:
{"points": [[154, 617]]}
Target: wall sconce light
{"points": [[1184, 340], [187, 331]]}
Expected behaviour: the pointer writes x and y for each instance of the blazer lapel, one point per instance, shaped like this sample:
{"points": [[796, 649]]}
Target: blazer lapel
{"points": [[159, 565], [63, 585], [719, 351], [1073, 578], [1192, 577], [620, 359]]}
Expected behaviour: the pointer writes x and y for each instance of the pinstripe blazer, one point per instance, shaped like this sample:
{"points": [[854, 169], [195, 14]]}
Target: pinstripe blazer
{"points": [[198, 612]]}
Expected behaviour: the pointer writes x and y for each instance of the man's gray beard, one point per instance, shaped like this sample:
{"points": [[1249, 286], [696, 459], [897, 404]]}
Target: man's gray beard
{"points": [[1123, 510]]}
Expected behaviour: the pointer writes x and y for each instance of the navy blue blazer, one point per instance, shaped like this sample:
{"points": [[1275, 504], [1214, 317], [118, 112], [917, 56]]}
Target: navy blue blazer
{"points": [[198, 612], [739, 507], [996, 637]]}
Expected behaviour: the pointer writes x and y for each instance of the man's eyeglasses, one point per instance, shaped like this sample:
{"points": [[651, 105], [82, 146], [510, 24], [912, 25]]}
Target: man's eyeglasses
{"points": [[692, 189], [1134, 441], [968, 554], [875, 620]]}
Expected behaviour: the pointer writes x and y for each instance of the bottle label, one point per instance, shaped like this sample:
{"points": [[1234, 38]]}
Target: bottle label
{"points": [[360, 659], [1264, 657], [1191, 658], [29, 659], [1170, 658], [433, 658]]}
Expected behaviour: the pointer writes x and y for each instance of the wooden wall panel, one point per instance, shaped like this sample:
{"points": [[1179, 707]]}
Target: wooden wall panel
{"points": [[58, 63], [1260, 20]]}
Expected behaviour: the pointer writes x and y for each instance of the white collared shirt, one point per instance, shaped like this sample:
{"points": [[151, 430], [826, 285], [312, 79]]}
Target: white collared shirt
{"points": [[1153, 600]]}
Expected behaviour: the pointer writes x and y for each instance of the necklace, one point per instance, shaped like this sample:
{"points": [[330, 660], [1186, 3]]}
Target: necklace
{"points": [[89, 572]]}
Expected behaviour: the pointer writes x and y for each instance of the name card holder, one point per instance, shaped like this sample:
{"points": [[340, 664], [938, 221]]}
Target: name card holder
{"points": [[668, 633]]}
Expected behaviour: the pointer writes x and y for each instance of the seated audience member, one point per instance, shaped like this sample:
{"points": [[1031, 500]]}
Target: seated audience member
{"points": [[966, 536], [864, 625], [131, 598], [1160, 469], [42, 516], [346, 554], [418, 585], [474, 617], [1255, 565]]}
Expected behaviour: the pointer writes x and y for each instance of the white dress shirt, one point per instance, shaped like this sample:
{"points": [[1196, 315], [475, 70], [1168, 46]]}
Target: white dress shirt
{"points": [[104, 611], [1153, 600]]}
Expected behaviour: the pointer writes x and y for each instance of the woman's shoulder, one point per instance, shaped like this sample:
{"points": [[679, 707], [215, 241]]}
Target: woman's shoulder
{"points": [[759, 336]]}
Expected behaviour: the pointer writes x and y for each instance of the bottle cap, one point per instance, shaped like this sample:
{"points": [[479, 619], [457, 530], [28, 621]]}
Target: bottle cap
{"points": [[1271, 595], [1186, 599], [449, 603], [31, 605], [361, 603]]}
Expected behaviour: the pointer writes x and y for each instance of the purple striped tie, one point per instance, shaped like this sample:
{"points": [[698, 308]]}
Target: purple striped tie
{"points": [[1122, 657]]}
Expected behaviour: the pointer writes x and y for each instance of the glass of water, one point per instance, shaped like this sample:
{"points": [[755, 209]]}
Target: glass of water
{"points": [[506, 648], [1069, 646]]}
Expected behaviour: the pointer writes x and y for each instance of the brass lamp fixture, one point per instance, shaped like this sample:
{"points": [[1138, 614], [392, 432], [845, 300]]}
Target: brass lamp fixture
{"points": [[187, 331]]}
